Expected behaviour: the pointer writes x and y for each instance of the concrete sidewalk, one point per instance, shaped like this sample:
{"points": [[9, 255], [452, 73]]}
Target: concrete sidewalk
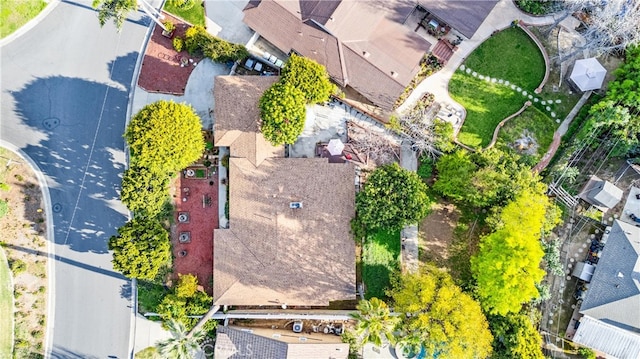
{"points": [[409, 234]]}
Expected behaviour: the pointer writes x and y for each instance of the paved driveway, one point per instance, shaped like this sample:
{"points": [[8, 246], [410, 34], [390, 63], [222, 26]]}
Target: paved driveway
{"points": [[65, 90]]}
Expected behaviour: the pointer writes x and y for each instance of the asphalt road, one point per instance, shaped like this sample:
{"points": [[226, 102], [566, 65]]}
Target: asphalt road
{"points": [[64, 96]]}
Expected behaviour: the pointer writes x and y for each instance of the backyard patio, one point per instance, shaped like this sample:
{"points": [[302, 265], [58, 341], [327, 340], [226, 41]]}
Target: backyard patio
{"points": [[196, 199]]}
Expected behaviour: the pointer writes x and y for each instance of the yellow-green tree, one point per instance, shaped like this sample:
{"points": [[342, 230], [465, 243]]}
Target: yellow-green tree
{"points": [[309, 77], [140, 249], [144, 192], [165, 137], [437, 315], [282, 111], [507, 267]]}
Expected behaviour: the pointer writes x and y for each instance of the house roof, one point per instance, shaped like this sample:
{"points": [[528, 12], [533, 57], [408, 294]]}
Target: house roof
{"points": [[609, 339], [235, 344], [272, 254], [362, 44], [465, 16], [237, 117], [600, 193], [613, 296]]}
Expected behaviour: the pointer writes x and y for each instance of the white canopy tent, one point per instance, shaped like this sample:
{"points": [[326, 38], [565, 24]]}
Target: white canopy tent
{"points": [[588, 74]]}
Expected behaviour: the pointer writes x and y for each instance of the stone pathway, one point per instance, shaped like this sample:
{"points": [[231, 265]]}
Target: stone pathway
{"points": [[409, 234]]}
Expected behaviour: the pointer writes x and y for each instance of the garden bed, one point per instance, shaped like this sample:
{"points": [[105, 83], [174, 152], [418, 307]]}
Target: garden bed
{"points": [[532, 124]]}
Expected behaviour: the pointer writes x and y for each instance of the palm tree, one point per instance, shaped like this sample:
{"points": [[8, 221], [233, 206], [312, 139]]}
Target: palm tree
{"points": [[375, 322], [118, 10], [182, 344]]}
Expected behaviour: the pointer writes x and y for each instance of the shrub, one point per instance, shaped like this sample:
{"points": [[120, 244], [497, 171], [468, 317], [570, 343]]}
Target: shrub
{"points": [[187, 286], [182, 4], [169, 26], [4, 186], [4, 208], [199, 42], [17, 266], [587, 353], [425, 168], [178, 44]]}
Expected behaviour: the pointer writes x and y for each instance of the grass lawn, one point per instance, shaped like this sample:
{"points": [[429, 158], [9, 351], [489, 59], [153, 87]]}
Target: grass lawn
{"points": [[195, 15], [15, 13], [540, 126], [6, 308], [380, 258], [509, 55], [486, 103]]}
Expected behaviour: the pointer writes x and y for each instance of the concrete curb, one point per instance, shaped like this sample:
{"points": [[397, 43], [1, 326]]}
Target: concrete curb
{"points": [[132, 92], [31, 23], [46, 198]]}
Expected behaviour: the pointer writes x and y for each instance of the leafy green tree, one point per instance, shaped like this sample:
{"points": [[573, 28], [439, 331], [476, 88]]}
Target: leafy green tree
{"points": [[625, 89], [375, 322], [507, 266], [391, 198], [488, 178], [443, 136], [4, 208], [515, 336], [144, 192], [587, 353], [165, 137], [436, 314], [282, 110], [181, 345], [187, 286], [140, 249], [455, 172], [309, 77]]}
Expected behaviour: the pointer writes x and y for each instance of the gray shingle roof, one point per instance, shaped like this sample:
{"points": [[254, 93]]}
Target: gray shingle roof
{"points": [[465, 16], [614, 292]]}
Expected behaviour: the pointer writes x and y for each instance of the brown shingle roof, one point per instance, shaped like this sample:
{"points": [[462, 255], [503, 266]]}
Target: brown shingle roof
{"points": [[237, 116], [466, 16], [365, 44], [272, 254]]}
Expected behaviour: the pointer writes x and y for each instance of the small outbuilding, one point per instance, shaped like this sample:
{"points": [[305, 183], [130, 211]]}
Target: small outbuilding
{"points": [[600, 193], [588, 74]]}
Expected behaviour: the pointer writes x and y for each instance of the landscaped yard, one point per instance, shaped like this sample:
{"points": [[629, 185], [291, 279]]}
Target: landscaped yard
{"points": [[6, 308], [15, 13], [194, 15], [509, 55], [533, 123], [380, 258]]}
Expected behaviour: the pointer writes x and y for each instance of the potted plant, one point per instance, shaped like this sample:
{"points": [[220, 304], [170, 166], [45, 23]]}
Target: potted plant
{"points": [[169, 28]]}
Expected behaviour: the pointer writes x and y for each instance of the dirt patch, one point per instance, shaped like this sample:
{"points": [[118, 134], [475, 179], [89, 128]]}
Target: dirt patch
{"points": [[436, 233], [24, 240], [526, 144]]}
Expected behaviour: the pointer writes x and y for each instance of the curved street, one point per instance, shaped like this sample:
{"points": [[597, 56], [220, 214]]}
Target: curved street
{"points": [[64, 99]]}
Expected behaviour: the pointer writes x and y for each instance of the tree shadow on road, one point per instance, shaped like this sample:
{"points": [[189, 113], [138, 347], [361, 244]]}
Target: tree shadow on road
{"points": [[81, 152]]}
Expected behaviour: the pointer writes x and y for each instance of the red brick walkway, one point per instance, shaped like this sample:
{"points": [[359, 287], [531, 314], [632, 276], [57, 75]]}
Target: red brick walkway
{"points": [[161, 70], [203, 219]]}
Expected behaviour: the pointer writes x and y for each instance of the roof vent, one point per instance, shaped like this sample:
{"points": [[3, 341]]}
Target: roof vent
{"points": [[366, 54], [394, 74], [620, 275], [295, 205]]}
